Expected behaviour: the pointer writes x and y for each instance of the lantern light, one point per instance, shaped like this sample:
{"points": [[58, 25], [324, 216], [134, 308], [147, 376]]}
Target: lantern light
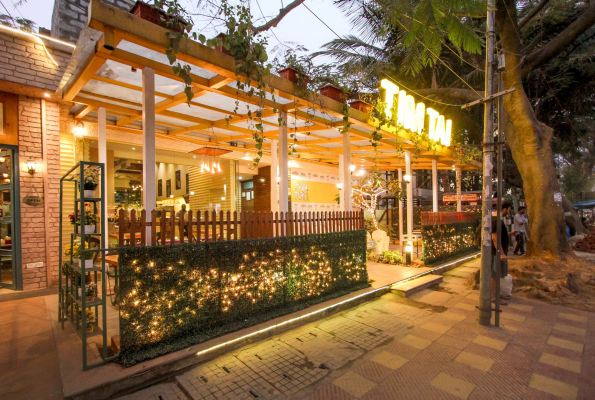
{"points": [[352, 167], [31, 166], [339, 186], [407, 178], [79, 129]]}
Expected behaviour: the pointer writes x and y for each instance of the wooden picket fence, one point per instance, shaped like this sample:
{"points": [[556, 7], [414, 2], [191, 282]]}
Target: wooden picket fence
{"points": [[446, 217], [192, 227]]}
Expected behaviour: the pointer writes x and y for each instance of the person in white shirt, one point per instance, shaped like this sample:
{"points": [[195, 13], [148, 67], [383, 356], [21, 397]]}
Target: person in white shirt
{"points": [[520, 223]]}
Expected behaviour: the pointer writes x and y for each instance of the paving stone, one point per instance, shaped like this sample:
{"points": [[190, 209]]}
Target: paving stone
{"points": [[372, 370], [321, 347], [354, 384], [520, 307], [565, 344], [283, 367], [330, 392], [225, 378], [378, 318], [414, 341], [455, 386], [453, 315], [164, 391], [512, 316], [573, 317], [434, 327], [553, 386], [561, 362], [489, 342], [475, 361], [353, 332], [389, 360], [570, 329], [465, 306]]}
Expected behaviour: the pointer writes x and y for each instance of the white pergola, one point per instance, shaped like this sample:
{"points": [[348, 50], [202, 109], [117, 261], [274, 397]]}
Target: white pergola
{"points": [[119, 73]]}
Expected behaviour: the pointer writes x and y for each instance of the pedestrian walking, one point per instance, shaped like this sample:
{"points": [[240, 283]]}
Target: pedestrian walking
{"points": [[520, 223]]}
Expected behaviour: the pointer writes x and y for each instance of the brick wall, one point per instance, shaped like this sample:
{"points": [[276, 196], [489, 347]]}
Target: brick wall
{"points": [[25, 62], [34, 262], [69, 16]]}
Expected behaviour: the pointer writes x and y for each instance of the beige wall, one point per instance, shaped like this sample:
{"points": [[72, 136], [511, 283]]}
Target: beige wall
{"points": [[167, 171], [209, 188]]}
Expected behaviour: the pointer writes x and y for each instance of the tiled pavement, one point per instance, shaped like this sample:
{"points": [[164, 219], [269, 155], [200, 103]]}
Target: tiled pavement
{"points": [[428, 347]]}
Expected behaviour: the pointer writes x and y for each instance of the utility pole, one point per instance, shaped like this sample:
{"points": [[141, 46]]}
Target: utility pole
{"points": [[485, 303]]}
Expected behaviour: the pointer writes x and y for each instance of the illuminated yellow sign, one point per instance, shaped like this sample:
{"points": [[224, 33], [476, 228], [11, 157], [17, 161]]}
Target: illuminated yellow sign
{"points": [[412, 116]]}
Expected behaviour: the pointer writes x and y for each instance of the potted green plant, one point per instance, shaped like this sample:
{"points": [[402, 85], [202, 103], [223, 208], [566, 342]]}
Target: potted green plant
{"points": [[91, 219], [361, 106], [75, 252], [90, 292], [91, 321], [90, 182], [294, 71], [150, 13]]}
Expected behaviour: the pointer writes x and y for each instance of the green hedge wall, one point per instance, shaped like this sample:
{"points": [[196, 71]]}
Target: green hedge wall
{"points": [[174, 296], [445, 241]]}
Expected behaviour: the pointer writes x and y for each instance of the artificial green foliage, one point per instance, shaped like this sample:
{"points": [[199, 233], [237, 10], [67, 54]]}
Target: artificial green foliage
{"points": [[175, 296], [445, 241]]}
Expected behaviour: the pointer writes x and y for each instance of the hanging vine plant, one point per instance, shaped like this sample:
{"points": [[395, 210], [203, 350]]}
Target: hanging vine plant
{"points": [[247, 48]]}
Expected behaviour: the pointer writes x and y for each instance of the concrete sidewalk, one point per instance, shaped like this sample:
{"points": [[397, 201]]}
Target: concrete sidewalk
{"points": [[28, 355], [427, 347], [42, 361]]}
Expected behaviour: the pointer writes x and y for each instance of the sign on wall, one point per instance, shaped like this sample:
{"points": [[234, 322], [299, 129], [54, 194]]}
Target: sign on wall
{"points": [[313, 192], [33, 200]]}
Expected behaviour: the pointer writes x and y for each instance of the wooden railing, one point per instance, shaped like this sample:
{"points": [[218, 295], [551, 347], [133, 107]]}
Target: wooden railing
{"points": [[192, 227], [446, 217]]}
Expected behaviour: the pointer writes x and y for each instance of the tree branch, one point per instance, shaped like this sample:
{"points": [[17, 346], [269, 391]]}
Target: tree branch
{"points": [[560, 42], [450, 93], [532, 13], [275, 21]]}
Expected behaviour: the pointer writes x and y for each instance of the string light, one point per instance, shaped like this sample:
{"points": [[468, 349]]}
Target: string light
{"points": [[164, 297]]}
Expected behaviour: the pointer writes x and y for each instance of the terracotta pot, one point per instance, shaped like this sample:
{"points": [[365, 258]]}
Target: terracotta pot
{"points": [[292, 74], [221, 48], [361, 106], [333, 92], [152, 14]]}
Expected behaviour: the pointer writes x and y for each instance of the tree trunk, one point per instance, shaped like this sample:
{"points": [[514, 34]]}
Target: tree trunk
{"points": [[530, 144]]}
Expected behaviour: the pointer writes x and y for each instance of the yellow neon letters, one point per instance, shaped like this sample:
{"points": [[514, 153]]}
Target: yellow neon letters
{"points": [[411, 116]]}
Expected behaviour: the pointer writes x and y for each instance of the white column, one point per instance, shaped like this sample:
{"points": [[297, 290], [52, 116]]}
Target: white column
{"points": [[400, 205], [459, 200], [149, 192], [102, 157], [274, 183], [283, 165], [346, 198], [341, 183], [435, 185], [408, 171]]}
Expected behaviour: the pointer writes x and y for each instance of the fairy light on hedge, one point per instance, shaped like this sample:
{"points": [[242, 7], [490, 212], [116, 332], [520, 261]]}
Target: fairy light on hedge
{"points": [[214, 285], [448, 240]]}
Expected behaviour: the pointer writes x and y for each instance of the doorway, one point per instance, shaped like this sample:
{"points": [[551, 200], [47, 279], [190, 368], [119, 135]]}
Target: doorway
{"points": [[10, 271]]}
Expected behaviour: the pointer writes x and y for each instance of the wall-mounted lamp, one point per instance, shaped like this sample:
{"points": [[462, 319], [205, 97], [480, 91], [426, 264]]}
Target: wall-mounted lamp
{"points": [[192, 193], [407, 178], [31, 166], [278, 179], [339, 186], [2, 159], [79, 129], [352, 168], [362, 172], [223, 198], [171, 196]]}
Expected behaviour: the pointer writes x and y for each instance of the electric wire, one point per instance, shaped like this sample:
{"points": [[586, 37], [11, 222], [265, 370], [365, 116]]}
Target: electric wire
{"points": [[382, 72]]}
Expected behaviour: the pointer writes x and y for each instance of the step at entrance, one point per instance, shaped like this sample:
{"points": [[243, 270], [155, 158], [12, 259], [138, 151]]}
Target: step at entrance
{"points": [[406, 289]]}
